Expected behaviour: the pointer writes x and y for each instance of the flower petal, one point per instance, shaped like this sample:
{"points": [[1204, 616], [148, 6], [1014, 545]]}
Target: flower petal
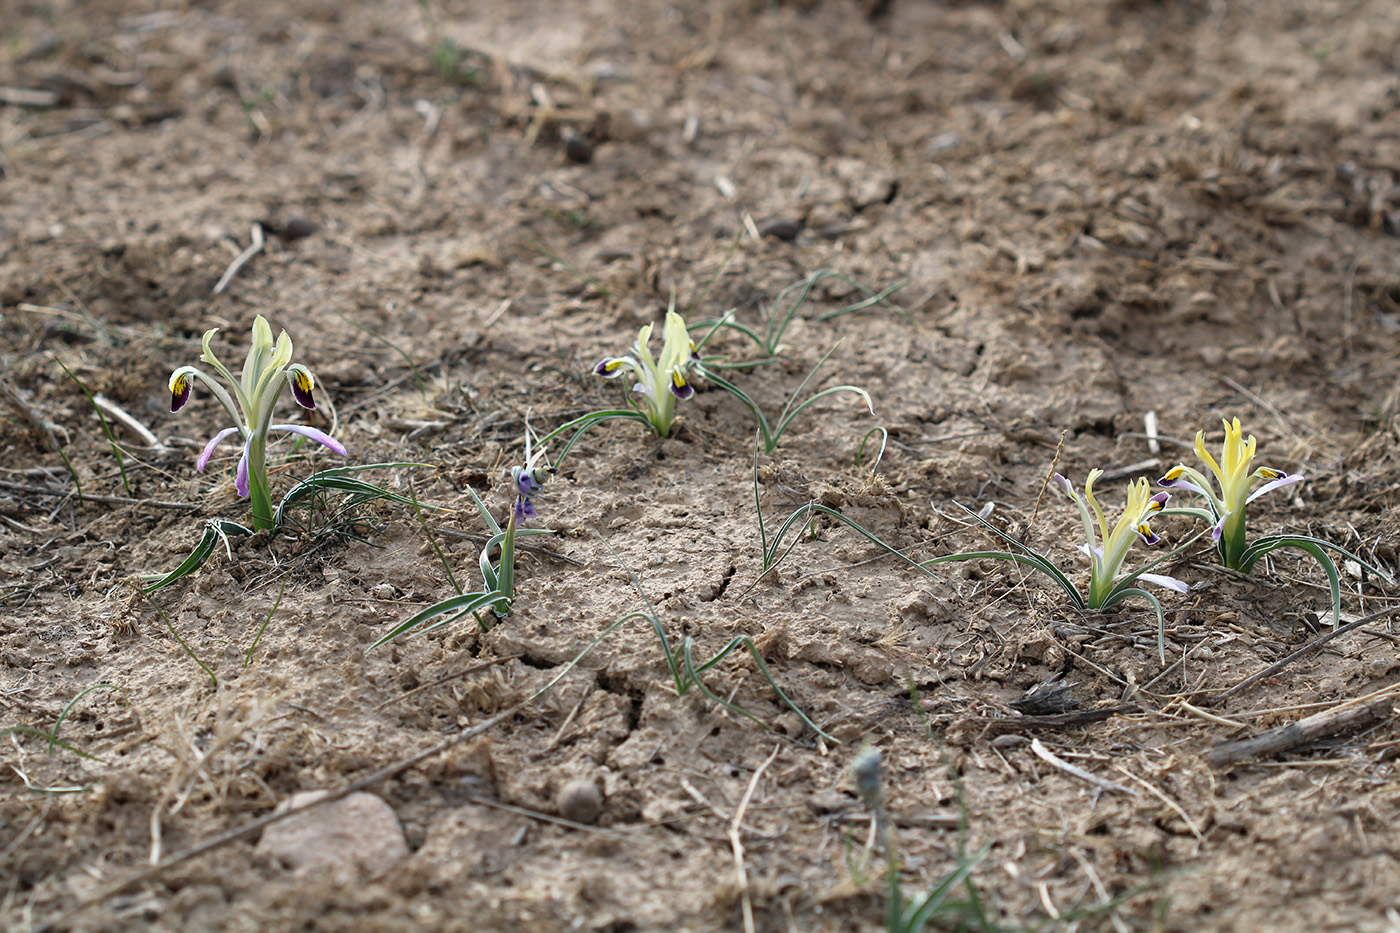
{"points": [[299, 378], [209, 448], [180, 388], [240, 478], [613, 366], [1148, 536], [1278, 480], [1065, 486], [320, 437], [1171, 583], [679, 387]]}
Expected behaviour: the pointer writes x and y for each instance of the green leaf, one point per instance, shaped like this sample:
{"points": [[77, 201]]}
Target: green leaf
{"points": [[215, 530], [453, 608]]}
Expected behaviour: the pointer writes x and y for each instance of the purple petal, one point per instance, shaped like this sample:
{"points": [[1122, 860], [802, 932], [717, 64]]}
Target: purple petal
{"points": [[1181, 484], [1065, 485], [214, 442], [1148, 536], [180, 388], [679, 387], [320, 437], [1218, 529], [524, 509], [611, 367], [1171, 583], [1284, 479], [240, 479], [1159, 501], [301, 388]]}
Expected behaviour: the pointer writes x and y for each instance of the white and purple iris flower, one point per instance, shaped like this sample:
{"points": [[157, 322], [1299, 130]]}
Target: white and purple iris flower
{"points": [[660, 381], [266, 372], [1107, 549]]}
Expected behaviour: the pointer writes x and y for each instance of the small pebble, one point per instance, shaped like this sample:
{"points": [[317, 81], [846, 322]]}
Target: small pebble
{"points": [[784, 230], [578, 149], [298, 228], [357, 836], [580, 801]]}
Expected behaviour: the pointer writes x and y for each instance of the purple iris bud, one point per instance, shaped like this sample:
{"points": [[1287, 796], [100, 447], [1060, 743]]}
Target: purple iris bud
{"points": [[180, 388]]}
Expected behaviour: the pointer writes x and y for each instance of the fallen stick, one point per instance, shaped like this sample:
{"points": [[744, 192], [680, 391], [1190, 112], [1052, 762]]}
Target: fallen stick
{"points": [[1304, 651], [241, 259], [125, 417], [1346, 718], [1044, 754]]}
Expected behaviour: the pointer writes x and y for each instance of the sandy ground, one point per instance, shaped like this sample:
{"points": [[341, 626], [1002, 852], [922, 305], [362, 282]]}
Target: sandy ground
{"points": [[1093, 211]]}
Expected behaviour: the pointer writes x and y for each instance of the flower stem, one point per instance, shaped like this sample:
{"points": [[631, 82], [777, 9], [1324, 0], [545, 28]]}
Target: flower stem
{"points": [[258, 494]]}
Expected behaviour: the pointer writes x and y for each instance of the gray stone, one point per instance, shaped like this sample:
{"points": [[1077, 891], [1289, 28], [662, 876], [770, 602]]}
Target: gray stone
{"points": [[358, 836]]}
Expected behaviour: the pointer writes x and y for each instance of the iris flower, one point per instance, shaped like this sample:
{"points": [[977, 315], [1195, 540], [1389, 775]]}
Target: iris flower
{"points": [[528, 480], [268, 369], [1107, 549], [1227, 498], [661, 381]]}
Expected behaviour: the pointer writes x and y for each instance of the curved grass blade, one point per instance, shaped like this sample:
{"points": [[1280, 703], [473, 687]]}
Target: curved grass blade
{"points": [[336, 479], [917, 913], [170, 627], [1314, 547], [875, 298], [585, 423], [215, 530], [30, 730], [1031, 560], [453, 607], [106, 428], [884, 442], [771, 557], [58, 723], [248, 658], [693, 673], [1120, 593]]}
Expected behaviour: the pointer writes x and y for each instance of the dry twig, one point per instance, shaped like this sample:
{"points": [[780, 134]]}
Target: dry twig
{"points": [[740, 872], [1044, 754], [1348, 717]]}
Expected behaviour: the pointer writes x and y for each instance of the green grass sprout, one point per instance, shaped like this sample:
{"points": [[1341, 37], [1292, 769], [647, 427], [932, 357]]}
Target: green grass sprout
{"points": [[58, 723], [772, 432], [771, 549], [498, 574], [911, 916], [106, 429], [432, 539], [248, 658], [768, 335], [184, 646], [215, 531], [1226, 502], [310, 494], [680, 658]]}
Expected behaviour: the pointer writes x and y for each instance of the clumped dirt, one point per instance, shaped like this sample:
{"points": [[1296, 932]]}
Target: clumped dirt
{"points": [[1098, 210]]}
